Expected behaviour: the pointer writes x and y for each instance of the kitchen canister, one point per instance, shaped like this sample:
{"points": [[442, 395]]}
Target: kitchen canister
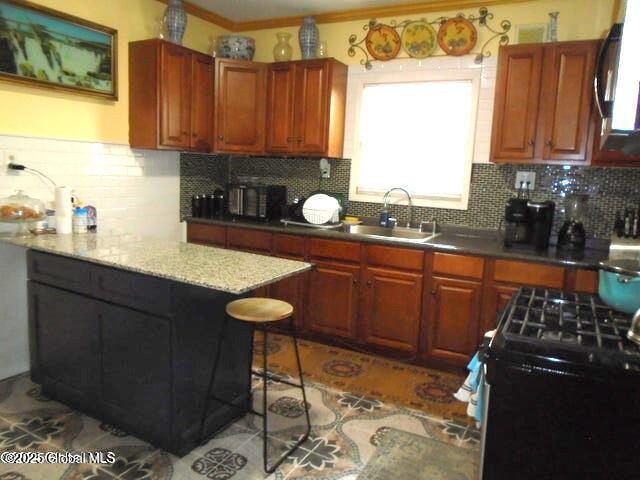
{"points": [[282, 52], [175, 19], [309, 36]]}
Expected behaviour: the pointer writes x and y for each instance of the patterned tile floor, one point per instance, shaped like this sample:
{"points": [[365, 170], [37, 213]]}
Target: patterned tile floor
{"points": [[347, 427]]}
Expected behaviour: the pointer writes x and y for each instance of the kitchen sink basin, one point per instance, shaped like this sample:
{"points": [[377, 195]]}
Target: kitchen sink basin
{"points": [[396, 233]]}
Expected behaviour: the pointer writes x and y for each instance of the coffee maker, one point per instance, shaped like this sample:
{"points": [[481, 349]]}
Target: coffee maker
{"points": [[528, 223], [572, 235]]}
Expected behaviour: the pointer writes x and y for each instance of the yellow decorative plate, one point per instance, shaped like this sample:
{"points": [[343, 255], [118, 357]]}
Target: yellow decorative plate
{"points": [[383, 42], [419, 39], [457, 36]]}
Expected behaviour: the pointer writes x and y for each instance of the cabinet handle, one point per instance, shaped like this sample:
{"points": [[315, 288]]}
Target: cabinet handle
{"points": [[369, 283], [434, 291], [355, 281], [185, 133], [548, 143], [220, 137], [532, 141], [194, 135]]}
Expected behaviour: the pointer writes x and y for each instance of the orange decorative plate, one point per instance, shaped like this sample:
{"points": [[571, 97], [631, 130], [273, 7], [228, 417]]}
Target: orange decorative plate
{"points": [[457, 36], [383, 42]]}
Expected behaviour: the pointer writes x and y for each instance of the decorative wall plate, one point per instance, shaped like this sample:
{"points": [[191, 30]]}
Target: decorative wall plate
{"points": [[419, 39], [383, 42], [457, 36]]}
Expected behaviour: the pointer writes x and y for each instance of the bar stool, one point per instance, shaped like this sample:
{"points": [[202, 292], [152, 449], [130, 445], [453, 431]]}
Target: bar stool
{"points": [[260, 312]]}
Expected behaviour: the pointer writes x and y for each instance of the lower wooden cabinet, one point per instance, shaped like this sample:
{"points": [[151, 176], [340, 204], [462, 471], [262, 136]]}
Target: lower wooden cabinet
{"points": [[495, 298], [332, 299], [392, 302], [454, 314]]}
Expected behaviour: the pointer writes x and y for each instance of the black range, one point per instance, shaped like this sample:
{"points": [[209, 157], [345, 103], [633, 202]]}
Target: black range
{"points": [[562, 384]]}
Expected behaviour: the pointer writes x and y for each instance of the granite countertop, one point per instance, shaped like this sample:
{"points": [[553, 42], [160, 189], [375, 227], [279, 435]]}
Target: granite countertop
{"points": [[484, 242], [219, 269]]}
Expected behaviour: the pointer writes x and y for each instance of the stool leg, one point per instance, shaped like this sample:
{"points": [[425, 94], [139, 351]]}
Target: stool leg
{"points": [[212, 379], [264, 403]]}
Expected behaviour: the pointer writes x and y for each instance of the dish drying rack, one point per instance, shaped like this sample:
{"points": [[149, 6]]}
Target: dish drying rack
{"points": [[326, 226]]}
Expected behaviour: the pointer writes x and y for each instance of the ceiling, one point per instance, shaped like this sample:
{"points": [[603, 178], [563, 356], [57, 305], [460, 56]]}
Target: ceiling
{"points": [[247, 10]]}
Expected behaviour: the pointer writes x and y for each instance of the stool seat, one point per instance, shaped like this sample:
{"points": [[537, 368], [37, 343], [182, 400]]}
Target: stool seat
{"points": [[259, 310]]}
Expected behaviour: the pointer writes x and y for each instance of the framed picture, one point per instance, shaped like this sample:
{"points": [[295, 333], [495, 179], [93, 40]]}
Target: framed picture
{"points": [[46, 48], [531, 33]]}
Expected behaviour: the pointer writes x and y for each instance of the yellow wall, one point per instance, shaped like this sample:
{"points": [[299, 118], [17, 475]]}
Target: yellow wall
{"points": [[578, 20], [32, 111]]}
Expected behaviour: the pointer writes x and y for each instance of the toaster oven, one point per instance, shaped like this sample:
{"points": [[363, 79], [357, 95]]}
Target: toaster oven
{"points": [[259, 202]]}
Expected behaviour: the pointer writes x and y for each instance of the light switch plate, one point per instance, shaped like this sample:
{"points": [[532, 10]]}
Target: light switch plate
{"points": [[325, 168], [523, 177]]}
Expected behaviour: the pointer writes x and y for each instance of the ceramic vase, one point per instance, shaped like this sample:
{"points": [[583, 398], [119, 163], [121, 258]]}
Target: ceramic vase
{"points": [[553, 26], [282, 51], [175, 19], [309, 36]]}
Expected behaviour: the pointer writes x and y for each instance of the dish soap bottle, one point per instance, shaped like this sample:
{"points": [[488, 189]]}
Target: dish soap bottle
{"points": [[384, 216]]}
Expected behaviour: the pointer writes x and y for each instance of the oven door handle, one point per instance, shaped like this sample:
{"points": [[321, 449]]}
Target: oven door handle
{"points": [[605, 107]]}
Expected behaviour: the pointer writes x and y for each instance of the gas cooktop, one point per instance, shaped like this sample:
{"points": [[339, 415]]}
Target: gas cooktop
{"points": [[574, 327]]}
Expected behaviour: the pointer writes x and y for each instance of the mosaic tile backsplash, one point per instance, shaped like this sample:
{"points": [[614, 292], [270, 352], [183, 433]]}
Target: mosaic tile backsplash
{"points": [[610, 189]]}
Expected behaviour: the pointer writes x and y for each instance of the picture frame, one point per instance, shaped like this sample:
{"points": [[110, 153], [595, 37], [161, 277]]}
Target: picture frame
{"points": [[50, 49], [531, 33]]}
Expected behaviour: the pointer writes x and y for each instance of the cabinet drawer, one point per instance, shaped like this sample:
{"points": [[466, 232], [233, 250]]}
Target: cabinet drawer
{"points": [[249, 240], [391, 257], [335, 250], [134, 290], [207, 234], [586, 281], [59, 271], [525, 273], [288, 245], [458, 265]]}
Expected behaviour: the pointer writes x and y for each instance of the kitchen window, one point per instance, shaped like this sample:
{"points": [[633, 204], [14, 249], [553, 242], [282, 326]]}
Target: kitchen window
{"points": [[413, 126]]}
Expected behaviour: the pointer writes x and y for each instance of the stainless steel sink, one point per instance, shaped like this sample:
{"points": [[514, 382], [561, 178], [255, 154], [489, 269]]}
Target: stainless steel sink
{"points": [[396, 233]]}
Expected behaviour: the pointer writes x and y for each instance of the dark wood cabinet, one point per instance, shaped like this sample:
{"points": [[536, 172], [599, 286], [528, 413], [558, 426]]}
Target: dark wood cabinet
{"points": [[392, 303], [454, 315], [515, 110], [494, 298], [171, 97], [240, 99], [249, 240], [306, 107], [292, 289], [543, 103], [280, 107], [332, 300], [215, 235]]}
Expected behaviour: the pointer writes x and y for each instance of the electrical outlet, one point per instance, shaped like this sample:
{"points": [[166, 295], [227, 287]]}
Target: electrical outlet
{"points": [[325, 168], [525, 180]]}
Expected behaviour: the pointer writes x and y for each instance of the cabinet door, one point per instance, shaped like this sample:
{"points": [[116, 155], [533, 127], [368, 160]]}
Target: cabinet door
{"points": [[332, 300], [175, 96], [207, 234], [495, 299], [240, 105], [392, 303], [280, 107], [454, 313], [312, 90], [516, 103], [136, 368], [566, 100], [202, 104], [64, 337]]}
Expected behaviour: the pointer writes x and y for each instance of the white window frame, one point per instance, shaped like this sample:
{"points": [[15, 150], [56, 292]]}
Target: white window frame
{"points": [[406, 71]]}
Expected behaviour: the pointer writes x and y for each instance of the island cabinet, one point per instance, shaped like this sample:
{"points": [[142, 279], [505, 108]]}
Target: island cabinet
{"points": [[134, 350], [306, 107], [454, 307], [543, 103], [171, 97], [240, 98]]}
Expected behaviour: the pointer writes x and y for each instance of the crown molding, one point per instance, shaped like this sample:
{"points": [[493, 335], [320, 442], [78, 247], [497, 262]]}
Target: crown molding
{"points": [[342, 15]]}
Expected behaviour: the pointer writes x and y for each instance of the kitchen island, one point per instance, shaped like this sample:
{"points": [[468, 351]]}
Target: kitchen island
{"points": [[124, 328]]}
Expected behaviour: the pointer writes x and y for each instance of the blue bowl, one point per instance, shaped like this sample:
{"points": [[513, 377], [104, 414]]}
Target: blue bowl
{"points": [[235, 46], [620, 292]]}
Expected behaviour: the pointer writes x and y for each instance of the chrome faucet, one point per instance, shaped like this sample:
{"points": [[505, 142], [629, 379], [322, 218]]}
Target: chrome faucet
{"points": [[385, 201]]}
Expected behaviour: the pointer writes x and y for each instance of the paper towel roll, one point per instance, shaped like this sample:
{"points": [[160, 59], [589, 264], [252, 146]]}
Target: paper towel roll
{"points": [[64, 225], [63, 205]]}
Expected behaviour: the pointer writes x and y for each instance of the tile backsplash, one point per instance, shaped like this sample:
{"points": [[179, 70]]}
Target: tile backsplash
{"points": [[611, 189]]}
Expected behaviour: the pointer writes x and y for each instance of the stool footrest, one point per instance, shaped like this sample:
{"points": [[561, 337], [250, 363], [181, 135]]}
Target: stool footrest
{"points": [[275, 378]]}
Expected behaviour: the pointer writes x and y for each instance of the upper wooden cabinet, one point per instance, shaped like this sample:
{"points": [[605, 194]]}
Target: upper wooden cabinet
{"points": [[170, 90], [240, 106], [306, 107], [543, 103]]}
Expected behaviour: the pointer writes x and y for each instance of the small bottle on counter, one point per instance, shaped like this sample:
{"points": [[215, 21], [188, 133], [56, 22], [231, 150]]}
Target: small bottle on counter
{"points": [[80, 220]]}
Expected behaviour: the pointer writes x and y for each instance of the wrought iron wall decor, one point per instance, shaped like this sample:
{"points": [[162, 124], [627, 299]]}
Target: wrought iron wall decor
{"points": [[380, 41]]}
